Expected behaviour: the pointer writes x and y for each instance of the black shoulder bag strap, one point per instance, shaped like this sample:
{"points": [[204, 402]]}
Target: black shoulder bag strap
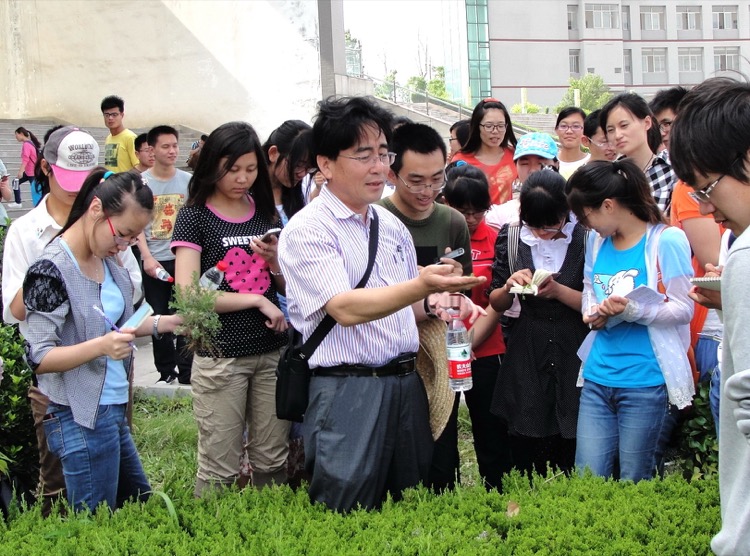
{"points": [[328, 321]]}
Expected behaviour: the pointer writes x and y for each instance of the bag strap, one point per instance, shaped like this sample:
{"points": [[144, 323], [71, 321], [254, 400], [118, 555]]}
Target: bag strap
{"points": [[514, 236], [328, 322]]}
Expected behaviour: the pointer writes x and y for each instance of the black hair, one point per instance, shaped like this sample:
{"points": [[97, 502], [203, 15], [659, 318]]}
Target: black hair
{"points": [[462, 129], [155, 132], [224, 146], [26, 133], [113, 192], [569, 111], [142, 138], [342, 122], [398, 121], [591, 124], [293, 140], [622, 180], [41, 180], [204, 137], [418, 138], [467, 187], [475, 140], [542, 200], [653, 136], [667, 99], [113, 101], [710, 136]]}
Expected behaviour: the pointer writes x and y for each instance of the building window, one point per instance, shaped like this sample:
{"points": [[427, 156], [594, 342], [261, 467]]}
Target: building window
{"points": [[627, 61], [689, 18], [602, 16], [652, 18], [574, 60], [572, 17], [690, 59], [725, 17], [626, 18], [654, 60], [477, 31], [727, 58]]}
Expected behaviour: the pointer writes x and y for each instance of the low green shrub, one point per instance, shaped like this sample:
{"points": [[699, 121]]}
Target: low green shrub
{"points": [[698, 445], [554, 515]]}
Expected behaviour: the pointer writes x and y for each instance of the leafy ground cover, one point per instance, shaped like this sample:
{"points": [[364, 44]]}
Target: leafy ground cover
{"points": [[553, 515]]}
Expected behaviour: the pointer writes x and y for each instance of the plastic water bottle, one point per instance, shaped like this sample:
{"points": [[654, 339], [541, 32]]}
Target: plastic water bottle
{"points": [[213, 277], [164, 276], [458, 348]]}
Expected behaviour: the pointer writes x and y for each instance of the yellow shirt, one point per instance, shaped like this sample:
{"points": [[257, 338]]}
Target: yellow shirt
{"points": [[119, 151]]}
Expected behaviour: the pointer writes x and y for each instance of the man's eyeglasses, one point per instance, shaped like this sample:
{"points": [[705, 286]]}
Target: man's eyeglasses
{"points": [[665, 125], [119, 240], [602, 145], [704, 195], [110, 115], [418, 187], [493, 127], [370, 159], [472, 213], [566, 127]]}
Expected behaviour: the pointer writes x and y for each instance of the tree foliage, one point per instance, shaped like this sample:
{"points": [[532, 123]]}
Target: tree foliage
{"points": [[594, 93]]}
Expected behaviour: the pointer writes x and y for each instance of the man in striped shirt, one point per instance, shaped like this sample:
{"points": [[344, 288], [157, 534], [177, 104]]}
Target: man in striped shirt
{"points": [[366, 428]]}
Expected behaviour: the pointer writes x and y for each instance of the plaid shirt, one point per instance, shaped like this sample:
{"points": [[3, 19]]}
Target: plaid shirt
{"points": [[661, 177]]}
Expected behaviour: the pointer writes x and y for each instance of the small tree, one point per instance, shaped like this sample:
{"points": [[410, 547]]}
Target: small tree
{"points": [[594, 93], [436, 85], [387, 89]]}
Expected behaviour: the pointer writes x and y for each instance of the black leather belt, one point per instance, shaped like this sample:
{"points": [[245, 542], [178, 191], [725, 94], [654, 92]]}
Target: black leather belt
{"points": [[398, 366]]}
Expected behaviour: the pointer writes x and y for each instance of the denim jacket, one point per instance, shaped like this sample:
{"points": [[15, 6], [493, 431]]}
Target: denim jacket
{"points": [[59, 301]]}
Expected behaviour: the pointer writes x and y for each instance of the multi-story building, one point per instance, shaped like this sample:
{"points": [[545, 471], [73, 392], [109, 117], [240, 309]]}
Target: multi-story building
{"points": [[638, 45]]}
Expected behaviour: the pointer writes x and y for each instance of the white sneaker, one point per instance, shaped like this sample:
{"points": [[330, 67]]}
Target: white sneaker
{"points": [[15, 205]]}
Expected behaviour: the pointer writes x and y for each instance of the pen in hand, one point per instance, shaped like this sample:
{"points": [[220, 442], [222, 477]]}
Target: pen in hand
{"points": [[112, 325]]}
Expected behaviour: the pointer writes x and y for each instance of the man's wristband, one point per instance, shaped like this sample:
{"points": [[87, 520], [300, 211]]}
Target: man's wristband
{"points": [[428, 309]]}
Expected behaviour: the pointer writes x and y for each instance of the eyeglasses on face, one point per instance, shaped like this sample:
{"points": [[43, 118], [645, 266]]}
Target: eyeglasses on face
{"points": [[703, 195], [370, 159], [602, 145], [572, 127], [665, 125], [546, 230], [493, 127], [418, 187], [110, 115], [472, 213], [119, 240]]}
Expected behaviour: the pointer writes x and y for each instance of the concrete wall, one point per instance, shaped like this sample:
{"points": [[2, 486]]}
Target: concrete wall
{"points": [[196, 62]]}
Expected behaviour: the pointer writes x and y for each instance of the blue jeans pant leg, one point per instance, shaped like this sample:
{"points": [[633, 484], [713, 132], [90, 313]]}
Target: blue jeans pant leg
{"points": [[132, 483], [641, 413], [714, 395], [597, 433], [706, 356]]}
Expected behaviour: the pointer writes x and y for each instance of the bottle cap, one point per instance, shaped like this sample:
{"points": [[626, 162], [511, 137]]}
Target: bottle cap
{"points": [[222, 265]]}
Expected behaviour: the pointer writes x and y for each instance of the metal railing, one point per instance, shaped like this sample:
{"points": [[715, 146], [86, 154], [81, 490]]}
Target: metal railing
{"points": [[420, 100]]}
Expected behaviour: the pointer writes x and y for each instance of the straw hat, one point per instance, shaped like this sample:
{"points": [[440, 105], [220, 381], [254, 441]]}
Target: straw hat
{"points": [[432, 366]]}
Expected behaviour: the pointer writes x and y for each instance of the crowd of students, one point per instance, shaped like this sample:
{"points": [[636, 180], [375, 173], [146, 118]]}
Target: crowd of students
{"points": [[585, 369]]}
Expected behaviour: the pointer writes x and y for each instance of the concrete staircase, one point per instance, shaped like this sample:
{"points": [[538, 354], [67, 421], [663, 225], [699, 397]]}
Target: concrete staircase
{"points": [[10, 149]]}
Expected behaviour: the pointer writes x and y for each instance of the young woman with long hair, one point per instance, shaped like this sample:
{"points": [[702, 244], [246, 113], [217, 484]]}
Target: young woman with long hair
{"points": [[29, 153], [490, 148], [76, 296], [635, 359], [230, 206]]}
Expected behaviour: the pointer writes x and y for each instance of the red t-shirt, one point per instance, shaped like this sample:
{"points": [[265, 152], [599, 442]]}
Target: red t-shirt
{"points": [[501, 175], [482, 255]]}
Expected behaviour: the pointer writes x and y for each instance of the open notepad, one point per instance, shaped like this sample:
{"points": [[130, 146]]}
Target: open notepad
{"points": [[540, 278]]}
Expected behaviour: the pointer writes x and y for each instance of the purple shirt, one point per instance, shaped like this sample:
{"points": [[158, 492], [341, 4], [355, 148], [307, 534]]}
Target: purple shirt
{"points": [[323, 252]]}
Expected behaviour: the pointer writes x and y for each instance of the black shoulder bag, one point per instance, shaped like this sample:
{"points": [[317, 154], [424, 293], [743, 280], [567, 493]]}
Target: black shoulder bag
{"points": [[293, 372]]}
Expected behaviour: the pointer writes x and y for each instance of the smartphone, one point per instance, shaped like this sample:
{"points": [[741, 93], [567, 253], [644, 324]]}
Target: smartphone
{"points": [[456, 253], [135, 320], [265, 238]]}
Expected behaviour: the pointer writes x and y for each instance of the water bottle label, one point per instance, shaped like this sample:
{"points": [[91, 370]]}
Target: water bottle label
{"points": [[459, 362]]}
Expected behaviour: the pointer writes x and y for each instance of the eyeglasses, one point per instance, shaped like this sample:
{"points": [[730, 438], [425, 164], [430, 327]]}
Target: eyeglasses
{"points": [[119, 240], [665, 125], [704, 195], [421, 186], [584, 220], [602, 145], [573, 127], [144, 151], [493, 127], [546, 230], [473, 213], [370, 159], [110, 115]]}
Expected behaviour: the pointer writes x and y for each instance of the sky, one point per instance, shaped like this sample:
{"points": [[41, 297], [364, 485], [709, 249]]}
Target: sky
{"points": [[393, 33]]}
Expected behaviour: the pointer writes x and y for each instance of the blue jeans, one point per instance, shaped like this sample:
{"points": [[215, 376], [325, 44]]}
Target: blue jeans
{"points": [[99, 465], [620, 424], [706, 357], [714, 395]]}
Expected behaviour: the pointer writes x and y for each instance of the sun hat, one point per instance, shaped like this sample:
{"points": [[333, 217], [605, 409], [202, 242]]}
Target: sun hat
{"points": [[432, 366], [72, 153], [539, 144]]}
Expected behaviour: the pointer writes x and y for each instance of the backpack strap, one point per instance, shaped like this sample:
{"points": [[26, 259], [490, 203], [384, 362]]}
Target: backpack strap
{"points": [[514, 236]]}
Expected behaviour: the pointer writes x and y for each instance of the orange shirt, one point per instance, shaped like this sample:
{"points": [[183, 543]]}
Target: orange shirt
{"points": [[501, 175]]}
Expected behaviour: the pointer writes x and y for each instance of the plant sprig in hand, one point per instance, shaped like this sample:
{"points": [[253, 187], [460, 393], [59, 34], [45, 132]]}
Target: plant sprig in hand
{"points": [[200, 322]]}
